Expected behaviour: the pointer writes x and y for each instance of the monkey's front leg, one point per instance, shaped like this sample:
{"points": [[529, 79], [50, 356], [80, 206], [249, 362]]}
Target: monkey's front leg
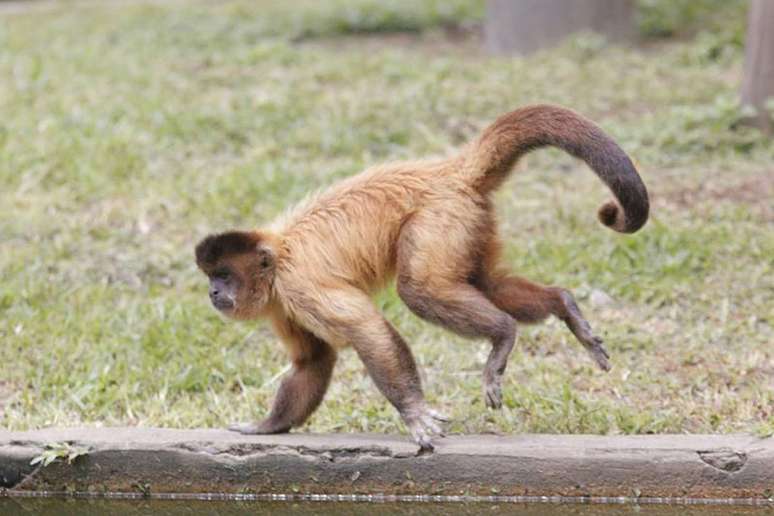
{"points": [[301, 390], [391, 365]]}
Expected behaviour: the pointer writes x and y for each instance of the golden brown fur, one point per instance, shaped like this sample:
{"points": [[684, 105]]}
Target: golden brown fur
{"points": [[430, 225]]}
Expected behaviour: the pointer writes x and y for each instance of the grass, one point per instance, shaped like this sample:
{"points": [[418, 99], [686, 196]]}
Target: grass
{"points": [[130, 131]]}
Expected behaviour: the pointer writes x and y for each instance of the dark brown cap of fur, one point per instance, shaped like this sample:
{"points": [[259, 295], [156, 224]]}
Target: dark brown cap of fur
{"points": [[230, 243]]}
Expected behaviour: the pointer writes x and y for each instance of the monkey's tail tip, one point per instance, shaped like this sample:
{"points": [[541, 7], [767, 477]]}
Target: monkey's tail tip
{"points": [[611, 215]]}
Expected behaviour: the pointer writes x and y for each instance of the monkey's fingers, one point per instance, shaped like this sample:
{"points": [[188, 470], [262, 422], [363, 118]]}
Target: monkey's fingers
{"points": [[429, 423], [421, 437], [424, 425], [243, 428], [264, 427], [438, 416]]}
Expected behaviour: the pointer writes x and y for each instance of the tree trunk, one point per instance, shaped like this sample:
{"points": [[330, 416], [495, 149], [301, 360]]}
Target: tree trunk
{"points": [[758, 84], [524, 26]]}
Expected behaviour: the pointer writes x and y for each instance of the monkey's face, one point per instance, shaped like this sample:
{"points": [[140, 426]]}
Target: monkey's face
{"points": [[240, 268], [224, 288]]}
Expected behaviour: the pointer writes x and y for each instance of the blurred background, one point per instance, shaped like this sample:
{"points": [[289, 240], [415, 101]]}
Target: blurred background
{"points": [[129, 130]]}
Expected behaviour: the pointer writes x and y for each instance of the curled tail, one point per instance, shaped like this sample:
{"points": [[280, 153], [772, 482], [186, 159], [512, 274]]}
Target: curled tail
{"points": [[498, 148]]}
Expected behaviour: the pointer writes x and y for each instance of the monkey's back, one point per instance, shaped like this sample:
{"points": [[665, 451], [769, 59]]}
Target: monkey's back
{"points": [[349, 231]]}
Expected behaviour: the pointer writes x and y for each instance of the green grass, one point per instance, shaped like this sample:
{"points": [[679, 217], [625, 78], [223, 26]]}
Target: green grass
{"points": [[129, 132]]}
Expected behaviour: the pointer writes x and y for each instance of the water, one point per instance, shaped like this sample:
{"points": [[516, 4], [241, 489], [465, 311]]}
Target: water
{"points": [[178, 507]]}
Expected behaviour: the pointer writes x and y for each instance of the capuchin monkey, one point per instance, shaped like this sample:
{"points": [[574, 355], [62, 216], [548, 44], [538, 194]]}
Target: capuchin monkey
{"points": [[429, 225]]}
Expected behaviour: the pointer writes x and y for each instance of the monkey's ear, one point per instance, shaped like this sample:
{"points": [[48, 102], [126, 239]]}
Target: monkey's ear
{"points": [[266, 257]]}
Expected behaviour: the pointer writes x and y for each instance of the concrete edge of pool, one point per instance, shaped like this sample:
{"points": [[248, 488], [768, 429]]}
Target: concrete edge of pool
{"points": [[156, 460]]}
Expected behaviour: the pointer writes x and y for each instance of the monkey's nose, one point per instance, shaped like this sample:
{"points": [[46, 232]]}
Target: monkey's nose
{"points": [[214, 293]]}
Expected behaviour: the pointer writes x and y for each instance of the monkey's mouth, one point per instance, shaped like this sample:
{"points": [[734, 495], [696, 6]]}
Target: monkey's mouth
{"points": [[224, 305]]}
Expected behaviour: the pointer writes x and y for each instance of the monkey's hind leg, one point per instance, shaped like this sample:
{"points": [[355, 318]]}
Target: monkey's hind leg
{"points": [[302, 389], [529, 302], [466, 311], [438, 252]]}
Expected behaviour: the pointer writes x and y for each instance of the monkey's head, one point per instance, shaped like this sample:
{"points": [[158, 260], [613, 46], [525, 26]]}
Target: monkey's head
{"points": [[240, 266]]}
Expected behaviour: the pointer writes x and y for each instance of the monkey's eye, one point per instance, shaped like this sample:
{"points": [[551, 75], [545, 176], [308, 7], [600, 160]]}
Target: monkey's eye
{"points": [[221, 274]]}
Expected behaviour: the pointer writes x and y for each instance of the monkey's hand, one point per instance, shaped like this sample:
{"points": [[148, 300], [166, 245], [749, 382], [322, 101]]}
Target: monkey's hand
{"points": [[267, 426], [423, 423]]}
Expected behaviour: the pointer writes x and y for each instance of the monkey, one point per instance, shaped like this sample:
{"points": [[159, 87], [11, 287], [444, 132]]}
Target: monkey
{"points": [[428, 226]]}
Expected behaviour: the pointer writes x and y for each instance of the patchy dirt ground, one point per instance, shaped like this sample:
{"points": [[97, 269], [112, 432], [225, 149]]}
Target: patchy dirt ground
{"points": [[458, 42], [754, 191]]}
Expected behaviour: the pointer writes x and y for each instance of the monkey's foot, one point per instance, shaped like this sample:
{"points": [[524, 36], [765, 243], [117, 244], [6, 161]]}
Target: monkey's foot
{"points": [[593, 345], [598, 352], [580, 327], [493, 391], [264, 427], [423, 423]]}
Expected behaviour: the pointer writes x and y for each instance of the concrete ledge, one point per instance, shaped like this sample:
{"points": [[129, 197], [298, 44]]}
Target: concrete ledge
{"points": [[149, 460]]}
